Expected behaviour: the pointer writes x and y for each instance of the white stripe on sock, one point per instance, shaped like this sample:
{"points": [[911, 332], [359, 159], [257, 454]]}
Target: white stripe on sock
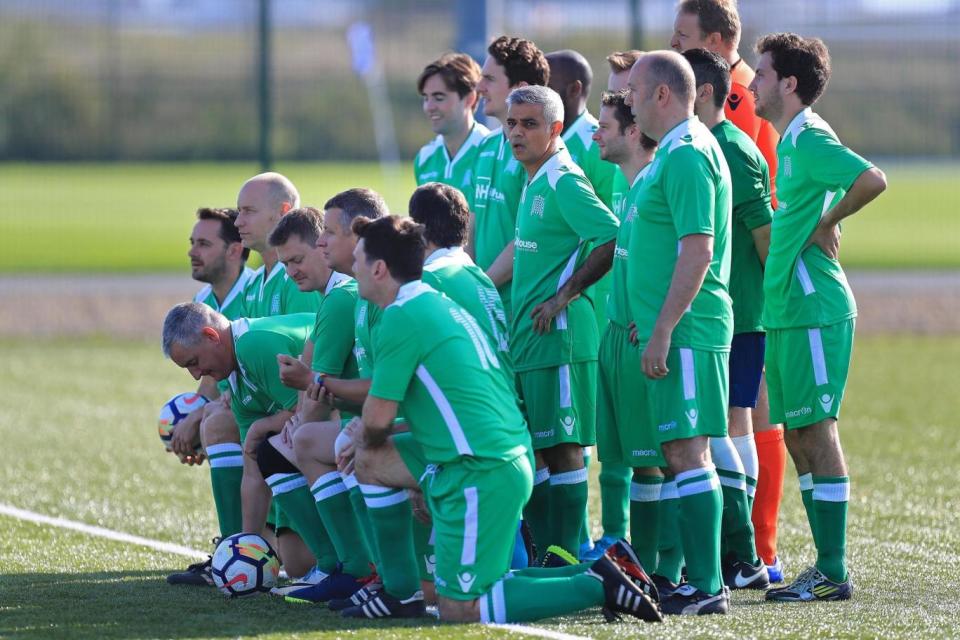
{"points": [[568, 477], [806, 482], [831, 491], [642, 492]]}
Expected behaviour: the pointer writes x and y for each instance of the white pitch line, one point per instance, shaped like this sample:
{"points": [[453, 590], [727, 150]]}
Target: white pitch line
{"points": [[166, 547], [100, 532], [537, 632]]}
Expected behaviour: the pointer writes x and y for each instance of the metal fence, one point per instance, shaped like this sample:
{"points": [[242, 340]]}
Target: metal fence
{"points": [[177, 79]]}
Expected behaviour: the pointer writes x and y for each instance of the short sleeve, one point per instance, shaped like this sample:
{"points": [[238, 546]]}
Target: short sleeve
{"points": [[583, 211], [830, 163], [333, 333], [397, 346], [259, 357], [689, 186]]}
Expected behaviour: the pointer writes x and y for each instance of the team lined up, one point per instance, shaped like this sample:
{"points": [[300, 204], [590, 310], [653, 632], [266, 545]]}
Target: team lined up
{"points": [[560, 283]]}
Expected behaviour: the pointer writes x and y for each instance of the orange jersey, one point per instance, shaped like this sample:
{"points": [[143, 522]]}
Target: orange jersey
{"points": [[740, 111]]}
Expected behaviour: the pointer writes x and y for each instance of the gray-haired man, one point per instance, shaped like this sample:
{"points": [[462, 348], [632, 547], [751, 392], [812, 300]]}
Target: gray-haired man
{"points": [[564, 243]]}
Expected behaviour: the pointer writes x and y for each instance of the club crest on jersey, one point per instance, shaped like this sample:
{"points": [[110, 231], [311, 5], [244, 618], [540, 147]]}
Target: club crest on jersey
{"points": [[786, 167], [538, 206], [275, 305], [632, 214]]}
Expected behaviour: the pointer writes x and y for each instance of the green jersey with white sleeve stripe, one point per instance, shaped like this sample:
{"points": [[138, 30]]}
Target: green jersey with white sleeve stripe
{"points": [[437, 363], [802, 286]]}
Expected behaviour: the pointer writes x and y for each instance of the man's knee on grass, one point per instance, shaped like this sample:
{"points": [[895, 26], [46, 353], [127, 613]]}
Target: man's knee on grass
{"points": [[458, 610]]}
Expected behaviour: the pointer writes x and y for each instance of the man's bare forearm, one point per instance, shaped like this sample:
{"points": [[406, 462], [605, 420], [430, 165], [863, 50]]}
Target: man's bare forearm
{"points": [[501, 271], [598, 263], [868, 185], [696, 252]]}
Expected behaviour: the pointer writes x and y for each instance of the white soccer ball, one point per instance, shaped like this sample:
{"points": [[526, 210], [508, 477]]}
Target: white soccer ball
{"points": [[244, 564], [174, 411]]}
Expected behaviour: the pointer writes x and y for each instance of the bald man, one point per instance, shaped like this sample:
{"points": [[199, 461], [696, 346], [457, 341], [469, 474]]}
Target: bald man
{"points": [[261, 202], [677, 278]]}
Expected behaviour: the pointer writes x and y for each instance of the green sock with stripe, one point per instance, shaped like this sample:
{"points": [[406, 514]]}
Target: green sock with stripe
{"points": [[701, 506], [615, 505], [553, 572], [568, 499], [806, 495], [645, 518], [423, 546], [363, 516], [226, 474], [669, 545], [537, 511], [831, 495], [585, 528], [524, 599], [736, 525], [333, 505], [291, 493], [392, 520]]}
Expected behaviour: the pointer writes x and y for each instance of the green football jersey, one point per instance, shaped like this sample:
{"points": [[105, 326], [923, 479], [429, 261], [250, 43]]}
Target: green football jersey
{"points": [[601, 290], [435, 360], [750, 178], [333, 335], [802, 286], [498, 181], [232, 306], [559, 221], [451, 272], [584, 151], [256, 386], [366, 318], [618, 304], [276, 295], [434, 164], [686, 191]]}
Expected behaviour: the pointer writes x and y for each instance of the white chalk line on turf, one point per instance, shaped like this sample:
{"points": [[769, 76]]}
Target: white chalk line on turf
{"points": [[537, 631], [118, 536], [166, 547]]}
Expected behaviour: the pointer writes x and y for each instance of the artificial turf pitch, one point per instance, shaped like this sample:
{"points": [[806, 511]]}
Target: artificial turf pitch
{"points": [[77, 423]]}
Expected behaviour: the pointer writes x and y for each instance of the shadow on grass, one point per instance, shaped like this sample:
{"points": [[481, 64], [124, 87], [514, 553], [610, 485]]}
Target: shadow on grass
{"points": [[140, 604]]}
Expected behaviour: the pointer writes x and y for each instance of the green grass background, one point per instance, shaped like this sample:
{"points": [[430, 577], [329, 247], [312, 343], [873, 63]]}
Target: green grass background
{"points": [[77, 427], [136, 218]]}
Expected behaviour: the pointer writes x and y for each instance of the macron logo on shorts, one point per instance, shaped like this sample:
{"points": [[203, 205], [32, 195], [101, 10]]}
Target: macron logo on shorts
{"points": [[466, 581], [692, 416], [568, 422], [826, 402]]}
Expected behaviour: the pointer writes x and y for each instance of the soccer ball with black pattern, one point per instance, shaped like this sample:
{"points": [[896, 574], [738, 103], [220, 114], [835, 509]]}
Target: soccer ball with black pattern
{"points": [[244, 564], [174, 411]]}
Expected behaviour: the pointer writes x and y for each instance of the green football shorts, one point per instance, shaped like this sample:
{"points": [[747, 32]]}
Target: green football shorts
{"points": [[560, 404], [807, 372], [621, 438], [476, 507], [692, 400]]}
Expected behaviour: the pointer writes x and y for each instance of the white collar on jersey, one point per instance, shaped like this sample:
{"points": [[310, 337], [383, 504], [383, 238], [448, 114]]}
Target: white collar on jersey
{"points": [[793, 129], [409, 291], [335, 278], [448, 255]]}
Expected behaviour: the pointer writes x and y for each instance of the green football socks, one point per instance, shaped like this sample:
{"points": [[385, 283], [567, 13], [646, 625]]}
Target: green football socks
{"points": [[701, 505], [333, 505], [831, 495], [645, 518], [615, 507], [669, 547], [568, 499], [537, 511], [226, 473], [523, 599], [291, 493], [392, 520]]}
